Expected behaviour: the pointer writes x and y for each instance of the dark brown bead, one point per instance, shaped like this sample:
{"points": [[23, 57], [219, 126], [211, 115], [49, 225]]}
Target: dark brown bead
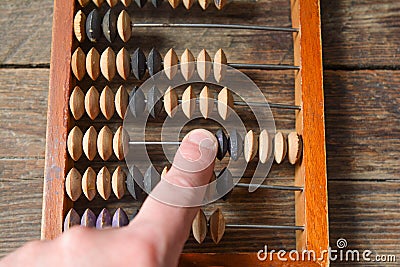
{"points": [[138, 64], [235, 145], [110, 25], [156, 3], [154, 102], [151, 179], [154, 62], [134, 177], [93, 26], [222, 144], [137, 102]]}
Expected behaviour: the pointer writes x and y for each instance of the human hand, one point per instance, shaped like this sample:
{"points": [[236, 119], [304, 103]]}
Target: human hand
{"points": [[154, 238]]}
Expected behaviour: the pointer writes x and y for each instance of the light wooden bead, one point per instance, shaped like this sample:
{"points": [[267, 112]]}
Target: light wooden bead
{"points": [[280, 147], [250, 146], [79, 26], [112, 3], [107, 103], [74, 143], [219, 4], [83, 3], [126, 3], [107, 64], [98, 3], [264, 146], [220, 65], [188, 102], [104, 143], [118, 182], [204, 4], [121, 101], [73, 184], [103, 183], [92, 105], [89, 183], [206, 102], [124, 26], [121, 143], [188, 3], [295, 147], [171, 64], [199, 226], [225, 103], [78, 62], [171, 101], [217, 225], [187, 64], [164, 172], [93, 64], [77, 103], [174, 3], [90, 143], [123, 63], [204, 64]]}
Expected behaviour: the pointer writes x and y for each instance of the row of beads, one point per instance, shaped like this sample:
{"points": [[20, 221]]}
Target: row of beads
{"points": [[219, 4]]}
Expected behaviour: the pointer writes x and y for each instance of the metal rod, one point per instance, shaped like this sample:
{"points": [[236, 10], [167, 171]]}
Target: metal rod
{"points": [[264, 226], [255, 104], [177, 143], [216, 26], [276, 187], [262, 66]]}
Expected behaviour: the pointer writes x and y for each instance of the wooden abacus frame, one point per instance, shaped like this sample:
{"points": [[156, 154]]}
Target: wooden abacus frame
{"points": [[310, 173]]}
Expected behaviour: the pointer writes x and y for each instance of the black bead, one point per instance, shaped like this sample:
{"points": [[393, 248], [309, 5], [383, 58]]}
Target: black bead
{"points": [[138, 64], [154, 103], [222, 144], [156, 3], [131, 184], [110, 25], [137, 102], [154, 62], [140, 3], [93, 26], [224, 183], [151, 179], [235, 145]]}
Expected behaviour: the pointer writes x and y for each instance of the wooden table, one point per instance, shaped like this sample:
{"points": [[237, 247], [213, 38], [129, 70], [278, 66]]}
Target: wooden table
{"points": [[362, 77]]}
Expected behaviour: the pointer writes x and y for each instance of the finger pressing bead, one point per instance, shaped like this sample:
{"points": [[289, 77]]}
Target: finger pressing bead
{"points": [[121, 143], [171, 101], [104, 143], [225, 103], [118, 182], [170, 64], [107, 64], [204, 64], [71, 219], [217, 225], [222, 144], [154, 62], [90, 143], [110, 25], [74, 143], [79, 26], [295, 147], [93, 26], [250, 146], [199, 226], [206, 102], [187, 64], [121, 101], [123, 63], [93, 64], [89, 183], [154, 103], [124, 26], [92, 102], [188, 102], [88, 218], [73, 184], [78, 62], [235, 145], [220, 65], [107, 103], [77, 103], [280, 147], [104, 219], [120, 219], [137, 102], [103, 183], [265, 146], [138, 64]]}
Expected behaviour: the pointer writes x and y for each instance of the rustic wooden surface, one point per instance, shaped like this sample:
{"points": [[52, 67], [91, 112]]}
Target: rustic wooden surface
{"points": [[361, 41]]}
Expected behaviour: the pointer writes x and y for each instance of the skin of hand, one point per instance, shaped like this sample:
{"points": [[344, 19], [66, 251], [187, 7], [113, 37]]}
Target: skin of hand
{"points": [[154, 238]]}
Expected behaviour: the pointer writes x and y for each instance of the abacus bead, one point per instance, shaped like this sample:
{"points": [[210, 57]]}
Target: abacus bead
{"points": [[74, 143], [124, 26], [137, 102], [204, 4], [280, 147], [225, 103], [118, 182], [295, 147], [199, 226], [134, 177], [90, 143], [174, 3], [217, 225], [121, 143], [235, 145], [123, 63], [89, 183], [126, 3], [219, 4], [110, 25], [151, 179], [71, 219], [204, 64], [107, 64], [73, 184], [156, 3], [154, 62], [187, 64], [120, 219], [138, 64], [93, 64], [104, 143], [222, 144], [98, 3], [78, 63], [103, 183], [250, 146], [171, 101], [171, 64], [83, 3], [164, 172], [121, 101], [92, 105], [188, 102], [104, 219], [140, 3], [93, 26], [206, 102], [154, 103], [79, 26], [188, 3], [112, 3], [220, 65], [265, 146], [107, 103], [88, 218], [77, 103], [224, 183]]}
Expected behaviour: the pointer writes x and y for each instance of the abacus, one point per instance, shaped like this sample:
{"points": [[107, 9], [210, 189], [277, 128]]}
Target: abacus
{"points": [[98, 65]]}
